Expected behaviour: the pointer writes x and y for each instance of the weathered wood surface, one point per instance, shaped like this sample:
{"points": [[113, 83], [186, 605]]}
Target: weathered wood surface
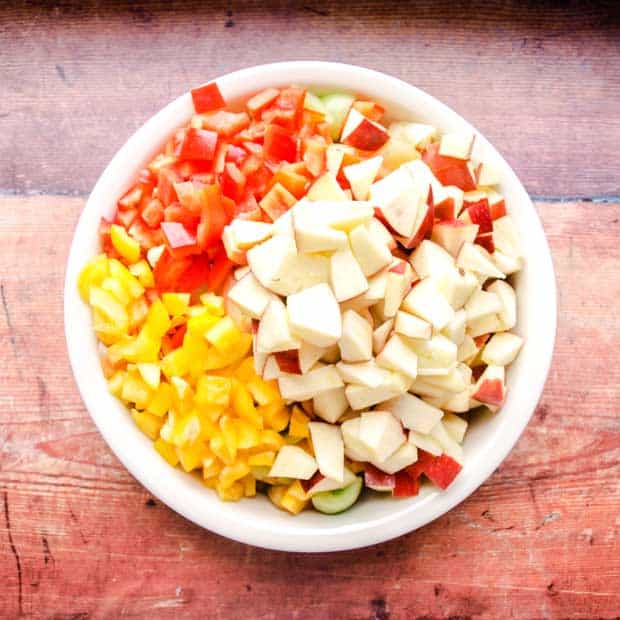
{"points": [[540, 79], [80, 538]]}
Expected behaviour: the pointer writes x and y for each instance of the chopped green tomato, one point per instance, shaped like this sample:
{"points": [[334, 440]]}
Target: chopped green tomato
{"points": [[333, 502], [337, 106], [314, 103]]}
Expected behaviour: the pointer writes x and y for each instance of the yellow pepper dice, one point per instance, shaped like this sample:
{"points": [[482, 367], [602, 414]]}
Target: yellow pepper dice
{"points": [[231, 473], [248, 436], [224, 335], [213, 303], [263, 392], [176, 363], [157, 322], [116, 288], [125, 277], [213, 390], [161, 402], [262, 459], [109, 307], [243, 404], [275, 415], [191, 457], [298, 426], [176, 304], [150, 373], [232, 493], [142, 270], [135, 390], [149, 424], [167, 451], [125, 245], [93, 274]]}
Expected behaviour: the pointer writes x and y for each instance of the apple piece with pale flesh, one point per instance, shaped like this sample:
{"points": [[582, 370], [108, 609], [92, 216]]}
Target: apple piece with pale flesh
{"points": [[240, 272], [378, 229], [320, 484], [328, 449], [507, 264], [305, 387], [274, 333], [319, 238], [417, 135], [369, 250], [457, 144], [381, 433], [354, 448], [398, 356], [398, 284], [362, 396], [414, 413], [445, 440], [411, 326], [457, 287], [455, 329], [421, 387], [381, 334], [362, 133], [425, 301], [309, 354], [335, 155], [271, 369], [362, 175], [502, 349], [326, 188], [459, 402], [455, 381], [452, 234], [436, 356], [356, 340], [481, 304], [331, 404], [467, 350], [250, 295], [234, 253], [425, 442], [347, 278], [488, 174], [455, 425], [293, 462], [288, 361], [473, 257], [508, 313], [490, 388], [406, 455], [506, 237], [248, 233], [430, 259], [314, 315], [343, 216], [368, 374], [485, 325]]}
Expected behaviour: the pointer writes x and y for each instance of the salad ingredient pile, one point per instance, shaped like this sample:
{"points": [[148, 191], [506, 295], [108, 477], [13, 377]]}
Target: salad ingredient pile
{"points": [[299, 298]]}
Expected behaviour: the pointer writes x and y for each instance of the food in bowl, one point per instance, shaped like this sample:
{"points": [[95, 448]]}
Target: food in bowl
{"points": [[299, 298]]}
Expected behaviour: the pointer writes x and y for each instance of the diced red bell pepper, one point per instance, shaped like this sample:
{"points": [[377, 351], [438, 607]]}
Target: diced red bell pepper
{"points": [[260, 101], [449, 170], [236, 154], [196, 276], [280, 144], [233, 182], [257, 183], [221, 268], [226, 124], [166, 179], [287, 110], [294, 182], [126, 218], [248, 209], [253, 148], [146, 237], [131, 199], [314, 150], [173, 338], [168, 270], [179, 240], [153, 213], [178, 213], [207, 98], [198, 144], [215, 214], [104, 239], [405, 485]]}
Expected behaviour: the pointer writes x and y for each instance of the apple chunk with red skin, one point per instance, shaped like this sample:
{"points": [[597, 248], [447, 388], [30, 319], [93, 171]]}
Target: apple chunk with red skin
{"points": [[452, 234], [490, 388], [362, 133]]}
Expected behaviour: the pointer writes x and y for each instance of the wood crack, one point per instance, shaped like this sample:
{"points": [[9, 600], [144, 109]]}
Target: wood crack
{"points": [[18, 562]]}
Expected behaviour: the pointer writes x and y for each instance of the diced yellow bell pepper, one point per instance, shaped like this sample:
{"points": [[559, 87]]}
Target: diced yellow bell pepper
{"points": [[167, 451], [210, 482], [229, 434], [161, 402], [260, 472], [276, 493], [230, 494], [213, 303], [249, 486], [271, 440], [176, 363], [107, 332], [176, 303], [115, 287], [129, 281], [93, 274], [208, 427], [115, 383], [262, 459], [191, 457], [138, 311], [245, 371], [217, 360], [275, 415], [224, 335], [263, 392], [213, 390], [243, 405], [211, 466], [142, 271], [298, 426], [135, 390], [182, 395], [297, 491], [183, 431], [200, 323], [110, 307], [197, 351], [218, 447], [157, 322], [125, 245], [248, 436], [138, 349], [231, 473], [292, 504], [149, 424], [150, 373], [210, 412]]}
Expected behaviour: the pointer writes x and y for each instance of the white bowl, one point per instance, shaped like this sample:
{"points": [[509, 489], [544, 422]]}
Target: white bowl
{"points": [[374, 519]]}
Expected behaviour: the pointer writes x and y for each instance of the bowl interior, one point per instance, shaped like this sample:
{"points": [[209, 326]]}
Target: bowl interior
{"points": [[374, 519]]}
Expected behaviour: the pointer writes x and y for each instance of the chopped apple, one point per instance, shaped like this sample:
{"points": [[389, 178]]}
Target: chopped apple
{"points": [[502, 349], [508, 314], [452, 234], [481, 304], [425, 301], [490, 388], [314, 315], [347, 277], [344, 216], [455, 381], [354, 448], [455, 425], [430, 259], [417, 135], [362, 396], [335, 155], [436, 356], [457, 287], [362, 133], [497, 205], [455, 329], [488, 174], [356, 340], [484, 325], [506, 237], [458, 403], [445, 440], [369, 250], [406, 455], [397, 355], [240, 272], [362, 175], [288, 361], [457, 144], [398, 284], [425, 442], [411, 326], [328, 449], [368, 374], [378, 230], [467, 350], [284, 224], [331, 404], [293, 462], [234, 253], [319, 238], [381, 334], [250, 295], [507, 264], [308, 386], [414, 413], [270, 369], [475, 258], [320, 484], [382, 433], [326, 188], [248, 233], [421, 387], [274, 333], [269, 259], [309, 354]]}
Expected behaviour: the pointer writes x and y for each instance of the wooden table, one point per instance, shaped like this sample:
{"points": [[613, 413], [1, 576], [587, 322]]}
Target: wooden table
{"points": [[79, 538]]}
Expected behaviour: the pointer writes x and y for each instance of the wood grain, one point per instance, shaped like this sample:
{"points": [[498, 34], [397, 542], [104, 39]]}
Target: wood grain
{"points": [[541, 80], [79, 538]]}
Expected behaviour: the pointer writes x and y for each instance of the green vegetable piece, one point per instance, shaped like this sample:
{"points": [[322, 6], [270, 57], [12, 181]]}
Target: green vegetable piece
{"points": [[333, 502]]}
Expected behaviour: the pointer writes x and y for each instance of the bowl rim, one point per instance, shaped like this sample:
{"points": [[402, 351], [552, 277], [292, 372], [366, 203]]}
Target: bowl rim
{"points": [[402, 520]]}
